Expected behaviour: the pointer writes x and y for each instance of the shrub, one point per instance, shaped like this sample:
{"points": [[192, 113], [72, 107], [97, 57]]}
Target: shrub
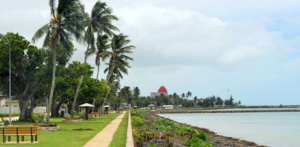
{"points": [[38, 117], [7, 115], [201, 136], [138, 122], [196, 142]]}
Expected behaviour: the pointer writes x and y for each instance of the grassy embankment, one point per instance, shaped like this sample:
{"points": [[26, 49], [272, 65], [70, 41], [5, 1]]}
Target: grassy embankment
{"points": [[119, 139], [66, 136], [149, 130]]}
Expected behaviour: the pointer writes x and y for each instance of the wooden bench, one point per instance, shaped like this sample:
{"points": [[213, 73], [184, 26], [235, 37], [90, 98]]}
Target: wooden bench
{"points": [[18, 131], [95, 114]]}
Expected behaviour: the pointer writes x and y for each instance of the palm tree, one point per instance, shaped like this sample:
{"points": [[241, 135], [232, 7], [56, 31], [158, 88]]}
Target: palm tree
{"points": [[118, 62], [99, 22], [136, 92], [195, 99], [182, 95], [189, 94], [102, 46], [66, 21]]}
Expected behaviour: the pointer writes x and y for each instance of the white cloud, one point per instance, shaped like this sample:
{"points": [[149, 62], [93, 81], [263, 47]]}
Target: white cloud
{"points": [[186, 37]]}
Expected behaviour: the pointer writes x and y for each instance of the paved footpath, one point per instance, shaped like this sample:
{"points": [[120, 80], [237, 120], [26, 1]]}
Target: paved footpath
{"points": [[105, 136]]}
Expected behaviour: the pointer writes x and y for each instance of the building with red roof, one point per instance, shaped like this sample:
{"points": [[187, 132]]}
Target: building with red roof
{"points": [[161, 91]]}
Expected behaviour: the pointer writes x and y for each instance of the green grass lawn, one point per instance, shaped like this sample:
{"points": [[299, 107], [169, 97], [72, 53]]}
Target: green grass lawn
{"points": [[66, 136], [119, 139]]}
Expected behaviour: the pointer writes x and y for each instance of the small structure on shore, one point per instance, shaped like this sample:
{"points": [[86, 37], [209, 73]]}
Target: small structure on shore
{"points": [[106, 108], [86, 106], [151, 106], [167, 107]]}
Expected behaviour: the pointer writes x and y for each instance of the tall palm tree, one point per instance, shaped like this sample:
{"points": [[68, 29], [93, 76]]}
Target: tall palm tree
{"points": [[118, 58], [99, 22], [182, 95], [189, 94], [102, 46], [136, 92], [195, 99], [66, 21]]}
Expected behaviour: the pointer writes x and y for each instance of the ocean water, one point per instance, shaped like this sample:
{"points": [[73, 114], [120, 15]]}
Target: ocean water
{"points": [[274, 129]]}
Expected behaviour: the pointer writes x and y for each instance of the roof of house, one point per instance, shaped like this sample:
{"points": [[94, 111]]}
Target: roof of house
{"points": [[162, 89]]}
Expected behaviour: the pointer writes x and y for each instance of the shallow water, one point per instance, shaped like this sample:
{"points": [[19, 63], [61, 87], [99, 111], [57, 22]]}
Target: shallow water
{"points": [[275, 129]]}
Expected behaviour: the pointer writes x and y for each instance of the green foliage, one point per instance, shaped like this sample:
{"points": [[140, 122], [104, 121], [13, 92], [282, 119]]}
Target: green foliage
{"points": [[7, 115], [147, 127], [196, 142], [201, 136], [138, 121], [37, 116]]}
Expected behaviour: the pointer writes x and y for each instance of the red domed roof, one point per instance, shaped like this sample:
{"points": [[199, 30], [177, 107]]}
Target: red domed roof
{"points": [[162, 89]]}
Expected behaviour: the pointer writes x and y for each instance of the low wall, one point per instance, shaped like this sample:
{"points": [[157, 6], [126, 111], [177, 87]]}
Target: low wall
{"points": [[5, 110], [224, 111]]}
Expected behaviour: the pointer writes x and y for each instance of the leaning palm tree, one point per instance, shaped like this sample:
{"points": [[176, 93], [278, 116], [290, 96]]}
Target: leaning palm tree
{"points": [[99, 22], [66, 21], [118, 62], [102, 46]]}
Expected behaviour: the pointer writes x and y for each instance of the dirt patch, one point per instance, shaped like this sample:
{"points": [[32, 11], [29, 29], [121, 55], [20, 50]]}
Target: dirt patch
{"points": [[84, 129]]}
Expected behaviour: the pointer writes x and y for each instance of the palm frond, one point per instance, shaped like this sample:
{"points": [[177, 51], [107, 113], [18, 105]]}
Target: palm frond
{"points": [[40, 32]]}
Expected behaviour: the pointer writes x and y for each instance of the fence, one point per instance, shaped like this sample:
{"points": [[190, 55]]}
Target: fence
{"points": [[5, 110]]}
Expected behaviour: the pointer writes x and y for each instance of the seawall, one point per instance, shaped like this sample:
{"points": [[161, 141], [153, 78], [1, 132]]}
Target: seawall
{"points": [[224, 111]]}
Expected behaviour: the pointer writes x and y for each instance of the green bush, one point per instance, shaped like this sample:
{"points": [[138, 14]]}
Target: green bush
{"points": [[7, 115], [37, 116], [201, 136], [137, 121], [196, 142]]}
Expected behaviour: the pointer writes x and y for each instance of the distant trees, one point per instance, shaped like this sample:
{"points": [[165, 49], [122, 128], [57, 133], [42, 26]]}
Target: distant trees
{"points": [[136, 93], [231, 100], [195, 99], [189, 94]]}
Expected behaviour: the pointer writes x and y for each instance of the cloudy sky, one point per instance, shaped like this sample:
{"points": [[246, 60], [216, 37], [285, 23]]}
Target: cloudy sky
{"points": [[251, 47]]}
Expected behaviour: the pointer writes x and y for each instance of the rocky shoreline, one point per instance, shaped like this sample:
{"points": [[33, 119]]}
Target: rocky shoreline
{"points": [[219, 140]]}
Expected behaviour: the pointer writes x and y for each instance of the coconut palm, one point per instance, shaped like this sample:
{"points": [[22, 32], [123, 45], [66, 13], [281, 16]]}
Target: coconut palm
{"points": [[136, 92], [182, 95], [66, 21], [189, 94], [118, 58], [99, 22], [102, 46]]}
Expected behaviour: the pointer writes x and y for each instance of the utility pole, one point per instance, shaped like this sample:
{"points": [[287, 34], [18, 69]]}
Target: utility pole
{"points": [[9, 77]]}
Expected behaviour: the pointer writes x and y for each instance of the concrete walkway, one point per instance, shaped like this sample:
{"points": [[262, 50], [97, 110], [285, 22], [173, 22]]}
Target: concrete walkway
{"points": [[105, 136], [129, 140]]}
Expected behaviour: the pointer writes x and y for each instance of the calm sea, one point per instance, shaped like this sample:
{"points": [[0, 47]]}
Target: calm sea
{"points": [[274, 129]]}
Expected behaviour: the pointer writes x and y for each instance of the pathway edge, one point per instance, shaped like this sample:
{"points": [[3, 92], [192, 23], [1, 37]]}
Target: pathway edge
{"points": [[129, 138]]}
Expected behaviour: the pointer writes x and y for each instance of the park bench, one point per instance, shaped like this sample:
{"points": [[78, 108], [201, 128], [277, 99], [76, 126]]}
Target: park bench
{"points": [[95, 114], [20, 131]]}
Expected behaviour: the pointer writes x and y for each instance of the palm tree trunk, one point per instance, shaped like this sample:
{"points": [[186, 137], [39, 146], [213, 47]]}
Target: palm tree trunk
{"points": [[98, 72], [78, 88], [53, 80], [105, 98], [94, 105]]}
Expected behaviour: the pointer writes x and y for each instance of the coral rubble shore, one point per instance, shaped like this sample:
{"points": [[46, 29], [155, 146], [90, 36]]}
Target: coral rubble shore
{"points": [[219, 140]]}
